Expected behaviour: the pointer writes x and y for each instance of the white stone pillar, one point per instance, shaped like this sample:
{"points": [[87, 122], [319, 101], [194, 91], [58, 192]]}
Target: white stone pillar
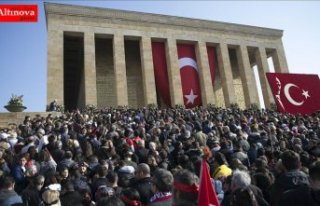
{"points": [[90, 83], [55, 84], [204, 74], [226, 74], [120, 70], [174, 73], [279, 60], [247, 77], [148, 80], [263, 67]]}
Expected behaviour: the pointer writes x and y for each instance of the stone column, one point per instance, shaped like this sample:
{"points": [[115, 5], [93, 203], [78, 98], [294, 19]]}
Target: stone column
{"points": [[90, 84], [204, 74], [148, 80], [120, 70], [263, 67], [279, 60], [55, 84], [247, 77], [226, 74], [174, 73]]}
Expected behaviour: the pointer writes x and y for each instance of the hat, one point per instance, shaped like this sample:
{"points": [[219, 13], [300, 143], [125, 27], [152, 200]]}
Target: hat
{"points": [[127, 169], [4, 145], [104, 189], [4, 135], [187, 134], [41, 131]]}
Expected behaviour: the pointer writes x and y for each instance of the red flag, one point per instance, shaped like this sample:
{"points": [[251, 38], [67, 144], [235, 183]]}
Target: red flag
{"points": [[189, 75], [212, 62], [207, 195], [161, 73], [295, 93]]}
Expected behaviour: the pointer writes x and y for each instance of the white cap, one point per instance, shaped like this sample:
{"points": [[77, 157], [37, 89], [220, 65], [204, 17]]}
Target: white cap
{"points": [[127, 169]]}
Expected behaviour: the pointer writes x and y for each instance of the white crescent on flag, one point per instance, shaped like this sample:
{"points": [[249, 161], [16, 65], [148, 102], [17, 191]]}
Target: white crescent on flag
{"points": [[186, 61], [288, 96]]}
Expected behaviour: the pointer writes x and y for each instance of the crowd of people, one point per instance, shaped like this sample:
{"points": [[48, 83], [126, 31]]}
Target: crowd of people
{"points": [[150, 156]]}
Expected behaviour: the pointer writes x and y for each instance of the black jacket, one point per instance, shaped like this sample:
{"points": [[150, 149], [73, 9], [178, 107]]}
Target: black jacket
{"points": [[256, 191], [31, 196], [71, 198], [287, 181], [302, 196], [144, 188]]}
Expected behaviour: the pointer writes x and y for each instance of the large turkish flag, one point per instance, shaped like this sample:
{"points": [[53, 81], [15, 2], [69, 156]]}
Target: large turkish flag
{"points": [[295, 93], [189, 73]]}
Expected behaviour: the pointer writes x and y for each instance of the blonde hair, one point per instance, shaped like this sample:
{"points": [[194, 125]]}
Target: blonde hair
{"points": [[51, 197]]}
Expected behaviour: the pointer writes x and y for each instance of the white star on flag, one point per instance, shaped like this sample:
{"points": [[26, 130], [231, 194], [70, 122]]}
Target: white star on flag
{"points": [[305, 94], [191, 97]]}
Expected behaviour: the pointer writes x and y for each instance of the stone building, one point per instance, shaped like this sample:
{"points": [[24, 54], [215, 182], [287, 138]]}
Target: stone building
{"points": [[104, 57]]}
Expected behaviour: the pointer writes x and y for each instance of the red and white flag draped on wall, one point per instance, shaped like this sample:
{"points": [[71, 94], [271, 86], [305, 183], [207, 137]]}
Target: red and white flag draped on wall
{"points": [[161, 73], [212, 62], [295, 93], [189, 74]]}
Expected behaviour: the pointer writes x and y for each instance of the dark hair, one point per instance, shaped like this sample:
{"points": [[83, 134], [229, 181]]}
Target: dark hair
{"points": [[68, 186], [163, 180], [290, 160], [38, 180], [314, 171], [102, 171], [112, 176], [188, 178], [68, 155], [130, 196], [220, 158], [6, 181], [44, 156], [111, 201], [243, 197]]}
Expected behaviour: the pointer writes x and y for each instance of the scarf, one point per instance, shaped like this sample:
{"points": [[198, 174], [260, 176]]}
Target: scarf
{"points": [[161, 196]]}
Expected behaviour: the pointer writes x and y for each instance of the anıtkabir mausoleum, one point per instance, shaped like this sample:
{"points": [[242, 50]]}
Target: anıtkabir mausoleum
{"points": [[109, 57]]}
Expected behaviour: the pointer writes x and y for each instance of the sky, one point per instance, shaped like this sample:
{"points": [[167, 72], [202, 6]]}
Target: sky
{"points": [[23, 46]]}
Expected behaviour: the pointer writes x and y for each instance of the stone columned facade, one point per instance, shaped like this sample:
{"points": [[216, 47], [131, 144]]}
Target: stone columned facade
{"points": [[105, 57]]}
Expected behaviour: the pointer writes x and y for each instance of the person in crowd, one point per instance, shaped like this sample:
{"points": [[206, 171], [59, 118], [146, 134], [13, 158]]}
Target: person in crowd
{"points": [[112, 182], [114, 201], [69, 196], [120, 139], [31, 195], [241, 187], [51, 198], [19, 174], [8, 196], [53, 106], [142, 182], [185, 188], [290, 176], [162, 182], [131, 197], [305, 195], [221, 169]]}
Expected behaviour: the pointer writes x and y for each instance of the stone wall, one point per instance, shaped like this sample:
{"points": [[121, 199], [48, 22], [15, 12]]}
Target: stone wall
{"points": [[106, 95], [7, 118]]}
